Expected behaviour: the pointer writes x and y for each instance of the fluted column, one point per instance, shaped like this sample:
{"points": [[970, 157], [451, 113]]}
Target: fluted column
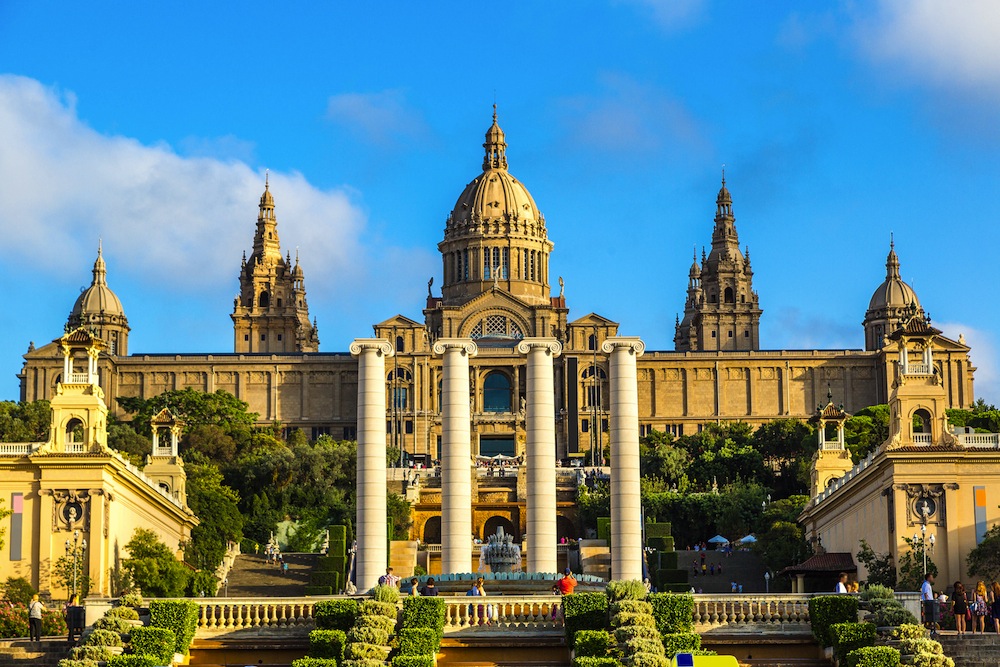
{"points": [[540, 424], [626, 507], [372, 535], [456, 454]]}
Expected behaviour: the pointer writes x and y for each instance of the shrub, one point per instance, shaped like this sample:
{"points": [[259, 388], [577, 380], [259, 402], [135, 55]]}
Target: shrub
{"points": [[825, 610], [909, 631], [922, 645], [626, 590], [127, 613], [18, 590], [130, 600], [673, 612], [359, 635], [99, 653], [634, 606], [585, 661], [179, 616], [593, 643], [413, 661], [680, 642], [78, 663], [628, 632], [203, 581], [421, 612], [584, 611], [156, 642], [646, 660], [628, 618], [366, 651], [327, 644], [53, 622], [386, 625], [889, 615], [364, 662], [132, 661], [642, 645], [873, 656], [336, 614], [103, 638], [849, 636], [315, 662], [13, 622], [418, 641], [386, 594], [376, 608], [876, 591], [113, 623], [319, 590]]}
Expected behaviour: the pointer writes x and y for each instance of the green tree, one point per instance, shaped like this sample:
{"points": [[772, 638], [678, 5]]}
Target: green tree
{"points": [[24, 422], [984, 560], [659, 458], [866, 430], [124, 439], [911, 565], [880, 567], [195, 408], [151, 566], [782, 544], [217, 507], [211, 441], [398, 511]]}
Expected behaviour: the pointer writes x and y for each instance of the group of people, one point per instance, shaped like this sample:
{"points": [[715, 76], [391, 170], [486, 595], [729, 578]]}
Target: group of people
{"points": [[72, 613], [705, 569], [970, 607], [273, 555], [845, 586]]}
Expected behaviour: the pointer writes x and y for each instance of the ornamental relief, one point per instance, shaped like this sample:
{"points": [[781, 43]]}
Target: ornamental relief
{"points": [[736, 373], [703, 374], [193, 378], [225, 377], [926, 499], [71, 509], [768, 373], [258, 377], [673, 374], [129, 378]]}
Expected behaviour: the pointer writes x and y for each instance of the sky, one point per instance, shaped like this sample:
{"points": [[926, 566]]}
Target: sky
{"points": [[150, 126]]}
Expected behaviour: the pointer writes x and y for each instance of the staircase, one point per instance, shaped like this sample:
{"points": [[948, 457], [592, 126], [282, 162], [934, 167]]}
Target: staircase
{"points": [[743, 567], [971, 650], [46, 653], [253, 576]]}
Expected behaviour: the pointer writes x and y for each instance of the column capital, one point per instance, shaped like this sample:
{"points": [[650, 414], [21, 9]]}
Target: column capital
{"points": [[467, 346], [633, 344], [551, 345], [381, 346]]}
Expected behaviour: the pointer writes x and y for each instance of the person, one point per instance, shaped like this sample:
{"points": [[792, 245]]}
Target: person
{"points": [[429, 589], [388, 579], [284, 567], [854, 587], [476, 614], [842, 583], [35, 608], [74, 620], [711, 569], [414, 590], [718, 569], [704, 569], [995, 605], [960, 606], [927, 599], [980, 608], [567, 583]]}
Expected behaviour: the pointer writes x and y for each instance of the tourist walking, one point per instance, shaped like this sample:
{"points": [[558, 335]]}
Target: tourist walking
{"points": [[980, 607], [842, 583], [960, 606], [927, 601], [477, 613], [35, 608]]}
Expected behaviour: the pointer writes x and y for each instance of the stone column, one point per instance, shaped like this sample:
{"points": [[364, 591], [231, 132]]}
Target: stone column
{"points": [[371, 528], [456, 455], [540, 425], [626, 507]]}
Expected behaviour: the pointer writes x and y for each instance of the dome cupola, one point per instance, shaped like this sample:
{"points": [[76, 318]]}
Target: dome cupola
{"points": [[892, 303], [99, 310]]}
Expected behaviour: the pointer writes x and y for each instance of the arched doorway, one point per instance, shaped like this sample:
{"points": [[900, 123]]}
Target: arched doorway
{"points": [[432, 530], [565, 528], [494, 522]]}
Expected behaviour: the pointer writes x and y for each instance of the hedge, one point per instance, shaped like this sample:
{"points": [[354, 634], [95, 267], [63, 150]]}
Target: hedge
{"points": [[325, 578], [593, 643], [423, 612], [314, 662], [103, 638], [668, 560], [826, 610], [646, 660], [658, 529], [338, 533], [418, 641], [643, 645], [413, 661], [72, 662], [179, 616], [156, 642], [634, 606], [361, 635], [873, 656], [671, 576], [361, 651], [326, 644], [583, 611], [319, 590], [628, 632], [99, 653], [364, 662], [585, 661], [665, 544], [128, 613], [673, 612], [849, 636], [680, 642], [335, 614], [604, 529], [675, 588], [114, 624], [630, 618], [133, 661], [376, 608], [626, 590]]}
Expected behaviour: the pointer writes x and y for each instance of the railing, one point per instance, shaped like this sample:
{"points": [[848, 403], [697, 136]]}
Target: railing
{"points": [[534, 613], [224, 615], [18, 448], [922, 438], [76, 448], [79, 378], [163, 451], [752, 613], [918, 369], [979, 439]]}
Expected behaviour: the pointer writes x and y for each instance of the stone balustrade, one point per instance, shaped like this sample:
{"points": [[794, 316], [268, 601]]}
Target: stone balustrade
{"points": [[787, 613], [226, 615], [532, 613]]}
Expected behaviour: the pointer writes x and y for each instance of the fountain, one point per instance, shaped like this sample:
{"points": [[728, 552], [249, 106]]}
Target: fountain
{"points": [[500, 553]]}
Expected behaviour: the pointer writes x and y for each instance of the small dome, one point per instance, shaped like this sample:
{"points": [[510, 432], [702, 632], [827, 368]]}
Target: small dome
{"points": [[893, 292], [98, 299], [267, 199]]}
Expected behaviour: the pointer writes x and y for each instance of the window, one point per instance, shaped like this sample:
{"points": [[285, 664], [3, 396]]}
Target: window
{"points": [[408, 426], [279, 302], [713, 334], [263, 337], [585, 425], [730, 334], [592, 342], [712, 298], [350, 433], [399, 343], [746, 334], [497, 392], [729, 295], [645, 429], [401, 400], [505, 266], [265, 300], [465, 265], [279, 337], [246, 337]]}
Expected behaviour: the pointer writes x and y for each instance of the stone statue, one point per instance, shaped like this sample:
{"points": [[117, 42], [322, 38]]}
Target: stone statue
{"points": [[562, 287], [430, 283]]}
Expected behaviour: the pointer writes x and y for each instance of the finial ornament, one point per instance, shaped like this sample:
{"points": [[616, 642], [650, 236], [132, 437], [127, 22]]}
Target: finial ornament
{"points": [[892, 241], [723, 173], [267, 175]]}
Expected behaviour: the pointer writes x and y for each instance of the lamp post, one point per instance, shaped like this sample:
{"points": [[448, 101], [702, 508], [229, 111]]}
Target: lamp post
{"points": [[76, 548], [767, 582], [225, 583]]}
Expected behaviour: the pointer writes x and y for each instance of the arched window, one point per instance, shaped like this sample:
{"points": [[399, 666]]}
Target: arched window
{"points": [[497, 392], [432, 530], [729, 295], [278, 302], [74, 435], [921, 421], [399, 344], [712, 298], [264, 300], [505, 266], [494, 522]]}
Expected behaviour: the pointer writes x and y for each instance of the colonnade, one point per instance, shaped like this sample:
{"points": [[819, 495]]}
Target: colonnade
{"points": [[456, 456]]}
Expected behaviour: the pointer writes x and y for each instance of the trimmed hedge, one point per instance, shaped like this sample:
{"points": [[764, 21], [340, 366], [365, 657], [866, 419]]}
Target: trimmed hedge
{"points": [[680, 642], [325, 578], [633, 606], [661, 543], [628, 632], [593, 643], [675, 588], [336, 614], [179, 616], [99, 653], [626, 590], [386, 625], [103, 638], [156, 642], [71, 662], [658, 530], [873, 656], [319, 590], [338, 533], [586, 661], [646, 660], [673, 613], [314, 662], [643, 645], [671, 576], [359, 635], [364, 662], [423, 612], [826, 610], [630, 618], [133, 661], [362, 651], [114, 624], [386, 594], [418, 641], [849, 636], [128, 613], [668, 560], [413, 661], [583, 611], [376, 608], [604, 529], [327, 644]]}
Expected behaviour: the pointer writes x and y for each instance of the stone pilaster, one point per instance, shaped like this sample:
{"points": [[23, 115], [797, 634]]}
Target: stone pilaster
{"points": [[541, 453], [626, 507], [456, 454], [371, 528]]}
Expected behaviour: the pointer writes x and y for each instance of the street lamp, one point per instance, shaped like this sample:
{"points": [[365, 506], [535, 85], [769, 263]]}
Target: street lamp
{"points": [[225, 582], [767, 582], [76, 548]]}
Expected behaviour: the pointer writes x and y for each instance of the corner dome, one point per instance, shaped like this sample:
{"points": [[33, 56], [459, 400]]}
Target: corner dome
{"points": [[893, 293], [98, 299]]}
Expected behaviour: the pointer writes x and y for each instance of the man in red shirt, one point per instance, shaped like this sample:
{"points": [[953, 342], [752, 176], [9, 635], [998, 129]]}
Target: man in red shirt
{"points": [[567, 583]]}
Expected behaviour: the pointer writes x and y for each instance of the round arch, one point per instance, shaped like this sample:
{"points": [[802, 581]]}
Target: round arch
{"points": [[565, 528], [432, 530], [494, 522], [921, 418], [498, 392]]}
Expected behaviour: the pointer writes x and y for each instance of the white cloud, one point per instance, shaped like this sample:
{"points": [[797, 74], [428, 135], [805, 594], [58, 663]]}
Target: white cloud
{"points": [[984, 357], [670, 14], [380, 117], [948, 44]]}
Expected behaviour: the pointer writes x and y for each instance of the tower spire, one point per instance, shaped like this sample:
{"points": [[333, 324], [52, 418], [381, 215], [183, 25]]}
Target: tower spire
{"points": [[495, 145], [100, 269]]}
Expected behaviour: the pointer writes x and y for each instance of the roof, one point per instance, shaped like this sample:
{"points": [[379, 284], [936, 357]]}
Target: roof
{"points": [[837, 561], [915, 326]]}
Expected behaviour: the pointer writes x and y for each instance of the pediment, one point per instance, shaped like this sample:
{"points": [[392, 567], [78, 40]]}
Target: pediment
{"points": [[494, 298], [400, 321], [593, 319]]}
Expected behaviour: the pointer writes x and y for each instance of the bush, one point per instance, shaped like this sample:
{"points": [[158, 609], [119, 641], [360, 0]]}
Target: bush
{"points": [[327, 644], [133, 661], [359, 635], [103, 638], [113, 623], [628, 618], [99, 653], [593, 643], [909, 631], [626, 590], [127, 613], [877, 591], [849, 636], [13, 622], [315, 662], [386, 594], [671, 576], [53, 623], [205, 582], [18, 590], [418, 641], [77, 663], [386, 625], [680, 642], [642, 645], [376, 608], [873, 656], [646, 660], [364, 662], [156, 642], [634, 606], [130, 600], [319, 590], [366, 652], [584, 611], [922, 645], [825, 610], [673, 613], [585, 661], [179, 616], [891, 613], [628, 632], [336, 614], [413, 661], [421, 612]]}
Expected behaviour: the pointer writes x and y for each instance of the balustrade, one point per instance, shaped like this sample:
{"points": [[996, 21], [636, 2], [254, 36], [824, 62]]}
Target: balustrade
{"points": [[752, 613], [221, 615], [18, 448], [504, 612]]}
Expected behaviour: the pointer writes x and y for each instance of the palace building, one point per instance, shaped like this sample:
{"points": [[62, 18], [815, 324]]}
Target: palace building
{"points": [[496, 289]]}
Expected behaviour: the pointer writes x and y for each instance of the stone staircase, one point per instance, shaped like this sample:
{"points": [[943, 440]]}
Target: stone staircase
{"points": [[253, 576], [971, 650], [743, 567], [46, 653]]}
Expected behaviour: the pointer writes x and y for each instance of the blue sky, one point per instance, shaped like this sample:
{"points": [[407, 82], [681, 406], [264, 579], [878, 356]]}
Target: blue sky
{"points": [[838, 123]]}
